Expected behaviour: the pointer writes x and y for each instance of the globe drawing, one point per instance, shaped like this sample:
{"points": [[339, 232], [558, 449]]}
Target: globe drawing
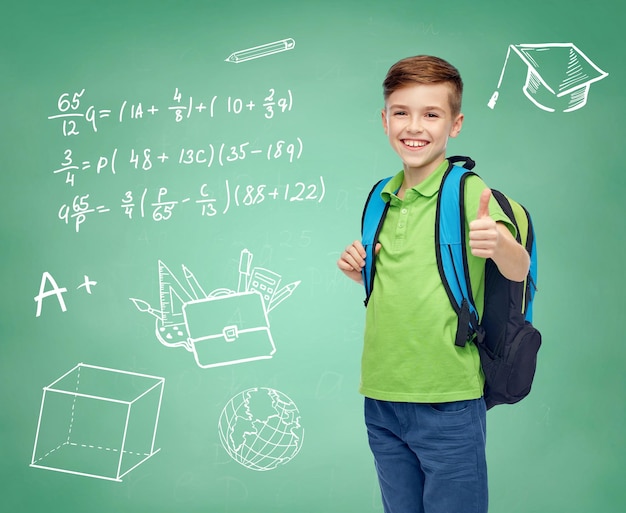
{"points": [[260, 428]]}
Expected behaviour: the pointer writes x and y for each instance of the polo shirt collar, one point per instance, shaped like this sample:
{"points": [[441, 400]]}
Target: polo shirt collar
{"points": [[428, 187]]}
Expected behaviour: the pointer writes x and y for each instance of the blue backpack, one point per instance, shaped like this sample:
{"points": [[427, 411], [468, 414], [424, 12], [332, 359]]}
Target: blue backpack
{"points": [[507, 341]]}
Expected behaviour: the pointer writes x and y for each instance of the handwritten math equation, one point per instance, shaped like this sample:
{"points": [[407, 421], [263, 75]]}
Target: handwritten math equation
{"points": [[76, 114], [219, 154], [159, 204]]}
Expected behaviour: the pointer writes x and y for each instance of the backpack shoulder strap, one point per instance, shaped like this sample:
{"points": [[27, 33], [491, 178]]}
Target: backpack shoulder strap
{"points": [[520, 217], [512, 210], [531, 285], [374, 213], [450, 248]]}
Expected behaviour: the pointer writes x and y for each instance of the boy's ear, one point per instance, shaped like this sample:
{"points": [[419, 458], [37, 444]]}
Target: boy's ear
{"points": [[384, 119], [456, 125]]}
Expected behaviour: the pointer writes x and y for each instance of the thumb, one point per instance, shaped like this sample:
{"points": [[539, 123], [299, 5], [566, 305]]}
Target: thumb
{"points": [[377, 248], [483, 205]]}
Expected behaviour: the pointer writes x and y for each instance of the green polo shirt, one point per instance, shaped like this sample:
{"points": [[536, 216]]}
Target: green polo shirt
{"points": [[409, 353]]}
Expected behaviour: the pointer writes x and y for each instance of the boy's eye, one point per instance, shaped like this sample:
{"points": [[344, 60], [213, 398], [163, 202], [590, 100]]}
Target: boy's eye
{"points": [[399, 113], [431, 115]]}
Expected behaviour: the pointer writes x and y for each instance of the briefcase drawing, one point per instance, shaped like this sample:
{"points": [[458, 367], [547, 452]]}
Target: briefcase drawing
{"points": [[228, 329]]}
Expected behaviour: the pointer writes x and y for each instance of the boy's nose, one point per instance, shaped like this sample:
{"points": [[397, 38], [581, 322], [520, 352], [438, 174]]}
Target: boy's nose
{"points": [[415, 125]]}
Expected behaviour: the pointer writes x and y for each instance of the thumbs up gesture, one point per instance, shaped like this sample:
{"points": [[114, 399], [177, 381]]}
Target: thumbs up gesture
{"points": [[483, 232]]}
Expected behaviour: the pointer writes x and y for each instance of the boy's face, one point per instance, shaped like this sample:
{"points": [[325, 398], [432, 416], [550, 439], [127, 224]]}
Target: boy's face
{"points": [[418, 121]]}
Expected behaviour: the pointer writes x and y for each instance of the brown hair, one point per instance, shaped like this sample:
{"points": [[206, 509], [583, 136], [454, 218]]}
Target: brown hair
{"points": [[425, 69]]}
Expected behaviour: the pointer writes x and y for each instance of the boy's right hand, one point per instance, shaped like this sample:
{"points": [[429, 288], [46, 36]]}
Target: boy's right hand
{"points": [[352, 260]]}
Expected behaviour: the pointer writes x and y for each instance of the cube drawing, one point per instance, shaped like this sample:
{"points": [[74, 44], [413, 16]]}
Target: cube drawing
{"points": [[98, 422]]}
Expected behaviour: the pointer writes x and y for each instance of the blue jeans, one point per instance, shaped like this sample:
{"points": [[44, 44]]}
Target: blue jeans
{"points": [[430, 458]]}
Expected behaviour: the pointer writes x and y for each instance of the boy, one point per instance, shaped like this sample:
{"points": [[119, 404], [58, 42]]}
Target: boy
{"points": [[424, 410]]}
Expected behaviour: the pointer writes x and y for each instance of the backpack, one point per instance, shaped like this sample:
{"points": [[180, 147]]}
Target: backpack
{"points": [[507, 341]]}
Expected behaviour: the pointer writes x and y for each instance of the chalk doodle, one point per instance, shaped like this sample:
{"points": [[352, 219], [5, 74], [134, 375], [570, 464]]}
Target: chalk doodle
{"points": [[225, 326], [261, 51], [559, 76], [260, 428], [98, 422]]}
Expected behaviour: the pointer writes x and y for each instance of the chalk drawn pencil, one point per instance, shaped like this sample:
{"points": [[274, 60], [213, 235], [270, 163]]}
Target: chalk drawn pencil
{"points": [[282, 294], [245, 260], [195, 287], [262, 51]]}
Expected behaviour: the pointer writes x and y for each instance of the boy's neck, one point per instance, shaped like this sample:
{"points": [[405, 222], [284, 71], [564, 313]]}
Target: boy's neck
{"points": [[415, 176]]}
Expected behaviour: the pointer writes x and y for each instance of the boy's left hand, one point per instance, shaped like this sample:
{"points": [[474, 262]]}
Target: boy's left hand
{"points": [[483, 231]]}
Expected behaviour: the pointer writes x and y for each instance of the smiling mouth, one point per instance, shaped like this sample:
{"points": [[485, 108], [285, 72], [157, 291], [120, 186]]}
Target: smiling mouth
{"points": [[411, 143]]}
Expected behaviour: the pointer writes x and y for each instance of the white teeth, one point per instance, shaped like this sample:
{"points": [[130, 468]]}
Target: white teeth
{"points": [[414, 144]]}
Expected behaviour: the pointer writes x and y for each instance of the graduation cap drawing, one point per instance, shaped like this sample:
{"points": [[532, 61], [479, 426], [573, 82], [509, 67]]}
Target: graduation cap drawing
{"points": [[559, 75]]}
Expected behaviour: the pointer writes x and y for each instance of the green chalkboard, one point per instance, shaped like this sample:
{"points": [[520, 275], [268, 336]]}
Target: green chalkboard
{"points": [[178, 181]]}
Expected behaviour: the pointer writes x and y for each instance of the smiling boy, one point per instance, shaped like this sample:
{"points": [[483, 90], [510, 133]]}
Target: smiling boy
{"points": [[424, 410]]}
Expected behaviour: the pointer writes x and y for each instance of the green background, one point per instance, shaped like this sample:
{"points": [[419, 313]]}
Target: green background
{"points": [[560, 450]]}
